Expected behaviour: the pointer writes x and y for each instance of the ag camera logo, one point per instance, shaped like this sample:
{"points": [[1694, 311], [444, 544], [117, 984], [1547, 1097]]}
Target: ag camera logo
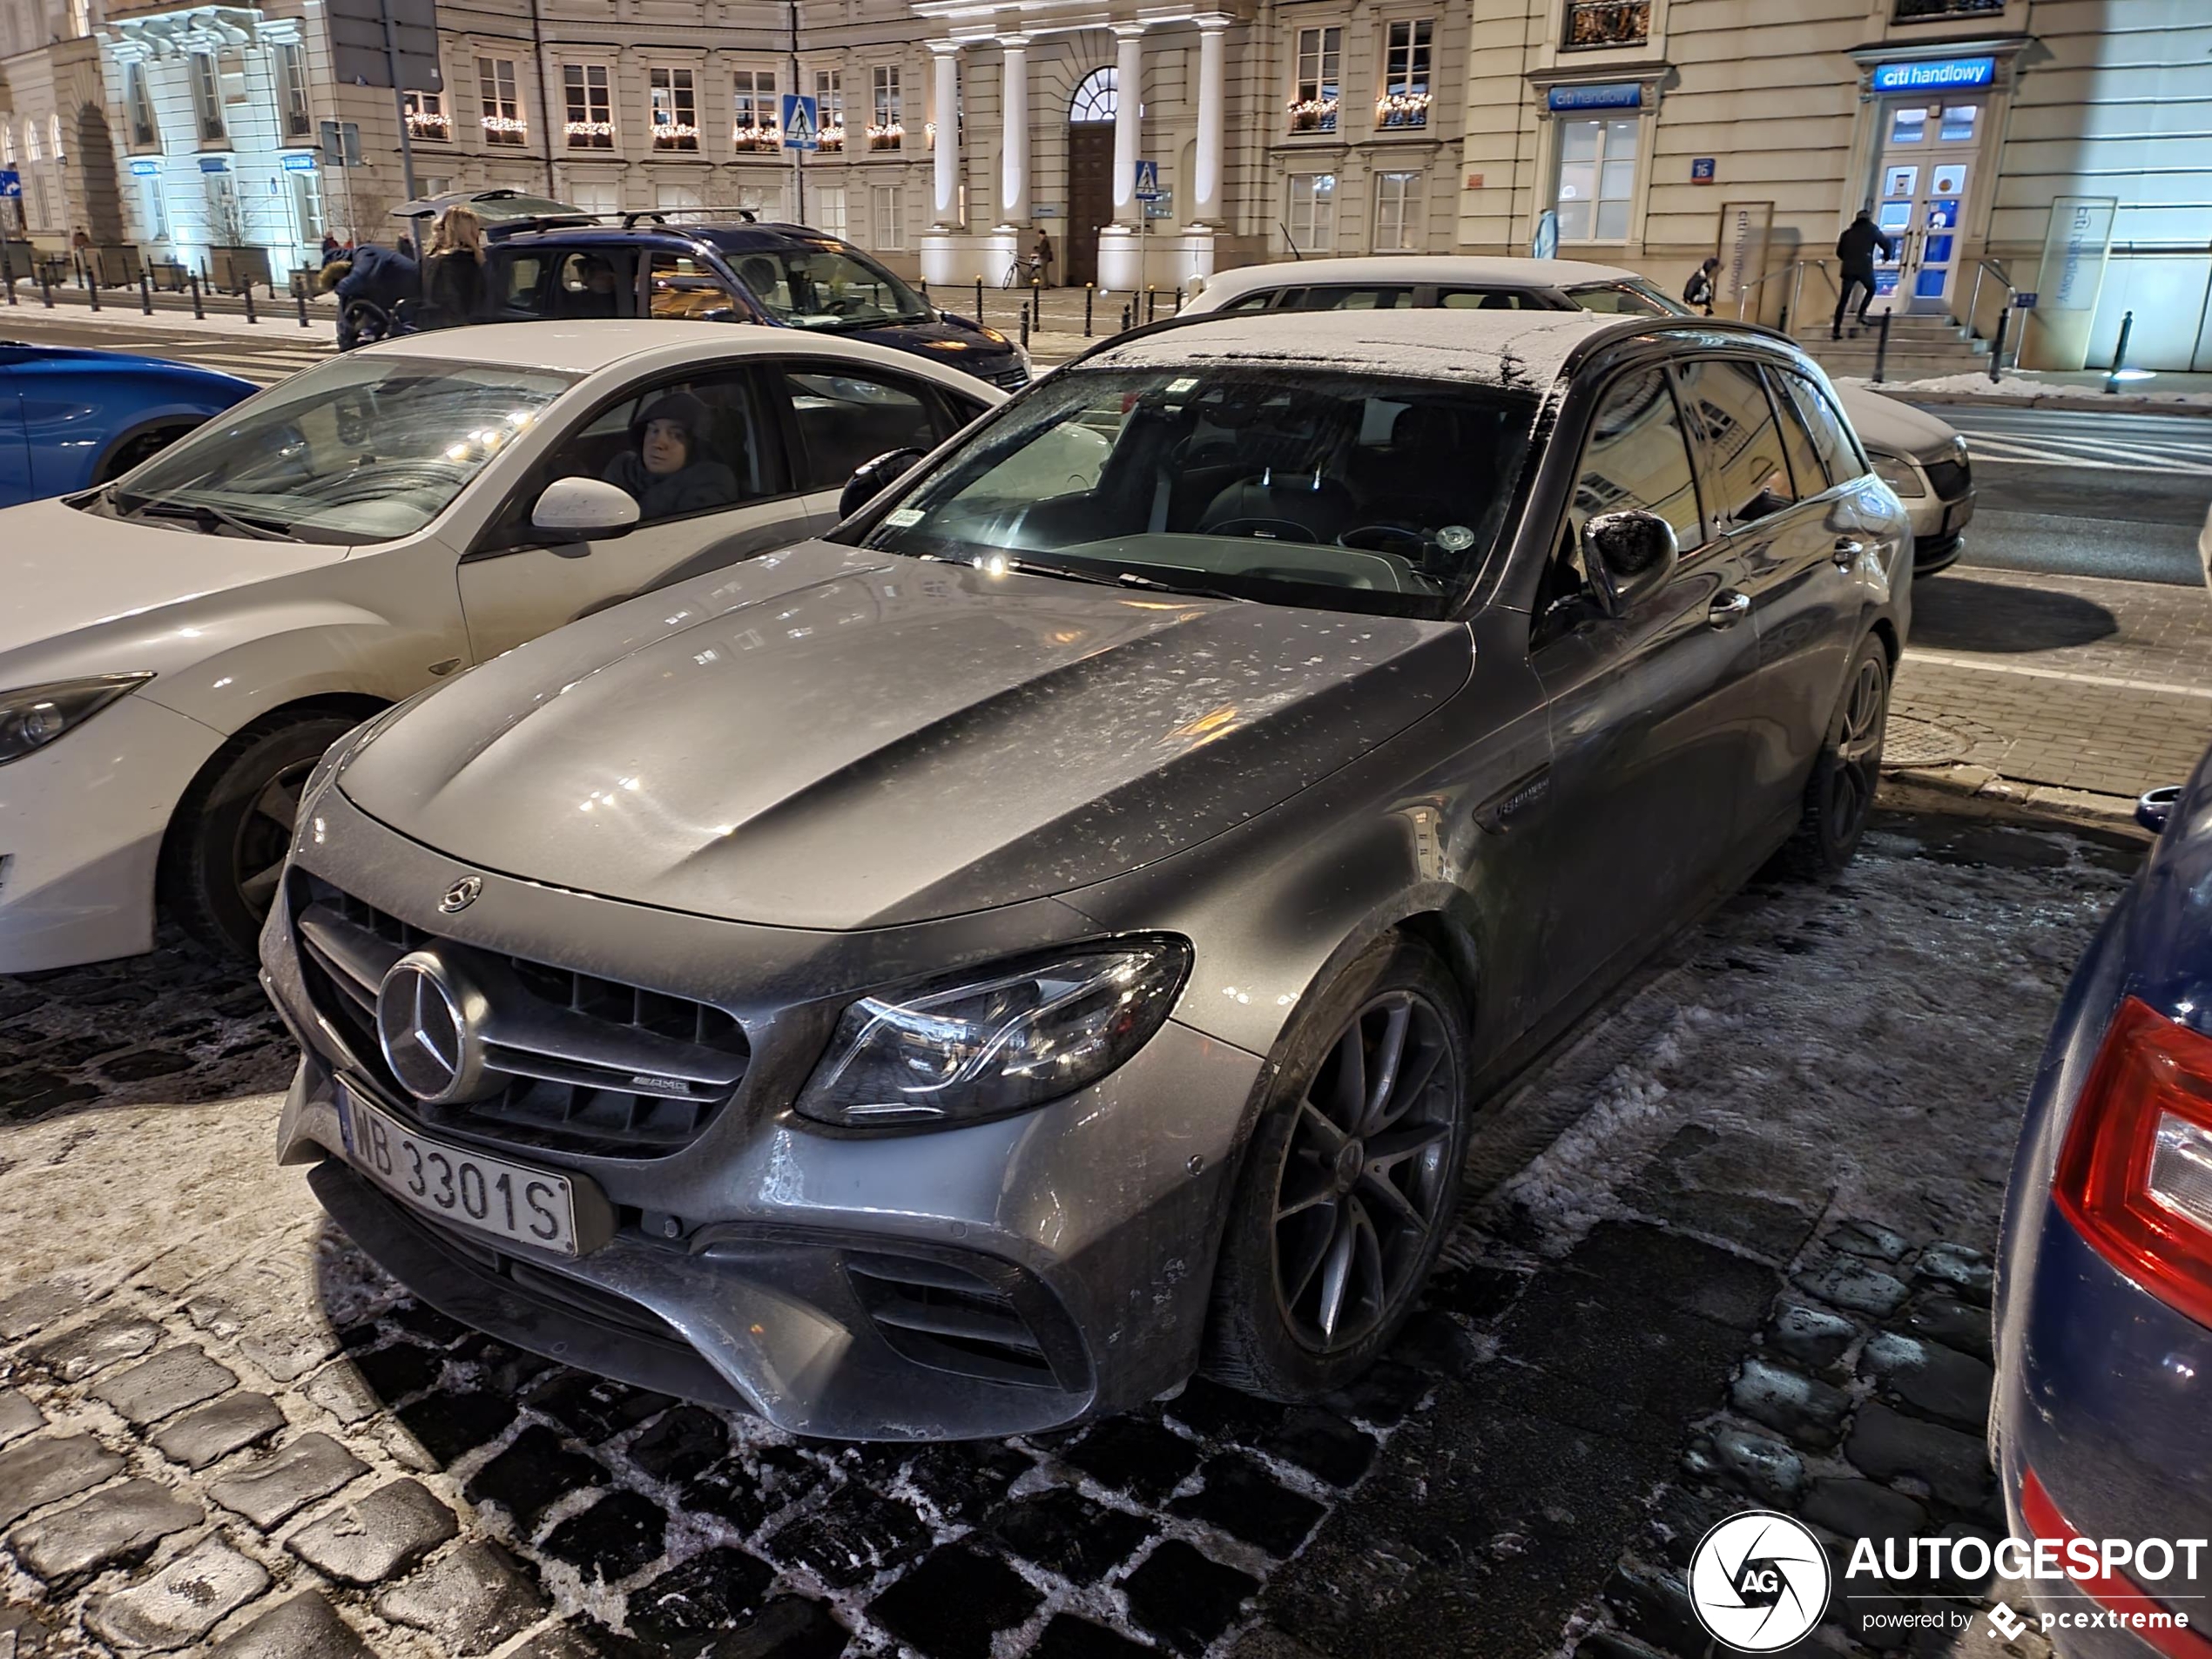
{"points": [[1759, 1582]]}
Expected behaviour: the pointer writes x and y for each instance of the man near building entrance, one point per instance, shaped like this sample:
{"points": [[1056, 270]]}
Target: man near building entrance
{"points": [[1041, 258], [1855, 254]]}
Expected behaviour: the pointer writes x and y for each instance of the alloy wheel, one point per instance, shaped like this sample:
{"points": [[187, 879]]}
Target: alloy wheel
{"points": [[265, 836], [1852, 780], [1363, 1180]]}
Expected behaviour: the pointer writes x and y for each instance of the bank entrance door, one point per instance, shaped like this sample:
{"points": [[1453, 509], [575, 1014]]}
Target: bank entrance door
{"points": [[1931, 158]]}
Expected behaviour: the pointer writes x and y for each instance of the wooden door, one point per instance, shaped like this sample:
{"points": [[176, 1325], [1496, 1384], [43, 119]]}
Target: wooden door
{"points": [[1090, 197]]}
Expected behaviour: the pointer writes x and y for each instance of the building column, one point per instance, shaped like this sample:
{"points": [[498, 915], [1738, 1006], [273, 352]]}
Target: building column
{"points": [[1128, 103], [1014, 95], [1206, 185], [947, 52]]}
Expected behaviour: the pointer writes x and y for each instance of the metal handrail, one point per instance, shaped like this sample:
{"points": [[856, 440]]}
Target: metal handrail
{"points": [[1796, 272], [1987, 266]]}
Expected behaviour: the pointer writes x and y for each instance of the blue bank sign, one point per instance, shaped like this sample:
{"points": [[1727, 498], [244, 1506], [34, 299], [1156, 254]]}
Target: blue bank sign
{"points": [[1935, 75], [1624, 95]]}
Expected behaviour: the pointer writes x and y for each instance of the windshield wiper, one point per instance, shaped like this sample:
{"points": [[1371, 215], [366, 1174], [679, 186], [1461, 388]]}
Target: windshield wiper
{"points": [[1095, 578], [207, 518]]}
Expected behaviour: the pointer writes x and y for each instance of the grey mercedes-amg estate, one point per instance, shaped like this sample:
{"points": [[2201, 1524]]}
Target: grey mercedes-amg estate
{"points": [[1059, 931]]}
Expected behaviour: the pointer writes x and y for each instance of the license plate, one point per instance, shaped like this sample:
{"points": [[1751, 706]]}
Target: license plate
{"points": [[509, 1201]]}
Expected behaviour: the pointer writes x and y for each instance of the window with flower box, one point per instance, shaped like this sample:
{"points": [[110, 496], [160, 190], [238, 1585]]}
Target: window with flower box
{"points": [[292, 89], [887, 121], [144, 133], [1319, 67], [206, 99], [500, 103], [674, 96], [1592, 23], [587, 96], [426, 115], [1403, 101], [756, 115], [829, 107]]}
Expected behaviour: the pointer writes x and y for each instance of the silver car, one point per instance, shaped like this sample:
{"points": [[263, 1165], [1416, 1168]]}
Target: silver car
{"points": [[1060, 931], [1918, 455]]}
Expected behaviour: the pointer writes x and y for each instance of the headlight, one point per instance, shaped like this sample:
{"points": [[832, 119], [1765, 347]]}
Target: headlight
{"points": [[960, 1054], [33, 718], [1900, 474]]}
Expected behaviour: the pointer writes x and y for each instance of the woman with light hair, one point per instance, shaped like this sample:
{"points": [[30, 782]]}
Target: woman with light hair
{"points": [[453, 275]]}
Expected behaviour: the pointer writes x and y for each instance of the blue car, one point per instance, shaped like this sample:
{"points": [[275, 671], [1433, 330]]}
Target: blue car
{"points": [[71, 416], [2103, 1420]]}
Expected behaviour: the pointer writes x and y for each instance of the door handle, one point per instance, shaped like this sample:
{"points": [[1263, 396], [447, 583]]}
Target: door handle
{"points": [[1729, 609], [1847, 551]]}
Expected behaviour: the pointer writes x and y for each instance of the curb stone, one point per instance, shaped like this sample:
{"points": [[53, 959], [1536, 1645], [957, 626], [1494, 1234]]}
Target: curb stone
{"points": [[1980, 793]]}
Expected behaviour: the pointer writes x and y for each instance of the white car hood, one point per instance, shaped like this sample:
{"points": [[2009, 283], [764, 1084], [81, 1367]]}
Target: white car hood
{"points": [[1898, 428], [66, 571]]}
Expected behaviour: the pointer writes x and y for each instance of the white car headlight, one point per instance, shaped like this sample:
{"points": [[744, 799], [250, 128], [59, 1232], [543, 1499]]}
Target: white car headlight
{"points": [[1900, 474], [985, 1048], [34, 716]]}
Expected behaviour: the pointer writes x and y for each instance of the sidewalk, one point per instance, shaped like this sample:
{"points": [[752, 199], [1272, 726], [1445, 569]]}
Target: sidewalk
{"points": [[124, 308], [2164, 392], [2066, 695]]}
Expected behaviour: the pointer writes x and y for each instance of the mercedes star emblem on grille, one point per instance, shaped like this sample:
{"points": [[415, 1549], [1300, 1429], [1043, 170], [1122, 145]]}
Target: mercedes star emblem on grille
{"points": [[429, 1021], [461, 894]]}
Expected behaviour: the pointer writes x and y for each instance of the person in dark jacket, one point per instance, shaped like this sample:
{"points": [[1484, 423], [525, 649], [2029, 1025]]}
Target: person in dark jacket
{"points": [[1698, 291], [378, 277], [668, 468], [453, 273], [1855, 254], [333, 249]]}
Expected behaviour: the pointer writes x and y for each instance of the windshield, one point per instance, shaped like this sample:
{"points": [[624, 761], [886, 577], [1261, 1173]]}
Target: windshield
{"points": [[1627, 298], [360, 449], [1290, 486], [821, 285]]}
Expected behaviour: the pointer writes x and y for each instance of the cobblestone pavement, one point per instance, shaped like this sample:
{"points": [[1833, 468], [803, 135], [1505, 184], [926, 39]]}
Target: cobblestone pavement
{"points": [[2071, 681], [1723, 1246]]}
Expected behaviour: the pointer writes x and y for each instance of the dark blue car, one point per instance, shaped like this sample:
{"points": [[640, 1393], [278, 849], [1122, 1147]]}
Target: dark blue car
{"points": [[71, 416], [2103, 1425]]}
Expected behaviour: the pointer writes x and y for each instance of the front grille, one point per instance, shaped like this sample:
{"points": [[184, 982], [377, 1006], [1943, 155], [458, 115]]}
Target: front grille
{"points": [[1949, 479], [589, 1064], [949, 1319], [1012, 378]]}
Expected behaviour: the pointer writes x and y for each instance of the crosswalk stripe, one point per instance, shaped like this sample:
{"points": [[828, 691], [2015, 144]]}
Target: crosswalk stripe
{"points": [[1987, 450]]}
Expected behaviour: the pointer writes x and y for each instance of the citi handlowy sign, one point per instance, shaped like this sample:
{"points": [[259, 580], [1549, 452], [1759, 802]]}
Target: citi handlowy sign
{"points": [[1935, 75]]}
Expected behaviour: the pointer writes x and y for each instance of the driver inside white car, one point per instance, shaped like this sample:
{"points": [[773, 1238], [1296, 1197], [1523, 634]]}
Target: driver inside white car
{"points": [[668, 467]]}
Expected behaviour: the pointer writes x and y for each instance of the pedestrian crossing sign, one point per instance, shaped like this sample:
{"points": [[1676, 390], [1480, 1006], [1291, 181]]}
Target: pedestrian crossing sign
{"points": [[10, 185], [1148, 181], [802, 125]]}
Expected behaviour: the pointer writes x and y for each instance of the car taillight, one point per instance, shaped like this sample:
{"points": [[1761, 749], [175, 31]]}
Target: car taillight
{"points": [[2134, 1176]]}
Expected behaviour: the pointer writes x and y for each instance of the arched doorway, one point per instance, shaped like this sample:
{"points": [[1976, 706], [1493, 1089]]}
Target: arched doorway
{"points": [[1090, 172]]}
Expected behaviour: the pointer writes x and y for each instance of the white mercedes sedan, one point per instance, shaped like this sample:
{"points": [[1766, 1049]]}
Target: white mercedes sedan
{"points": [[213, 619]]}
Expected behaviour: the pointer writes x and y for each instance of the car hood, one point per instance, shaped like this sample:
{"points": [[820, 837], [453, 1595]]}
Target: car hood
{"points": [[1885, 423], [64, 572], [949, 342], [828, 738]]}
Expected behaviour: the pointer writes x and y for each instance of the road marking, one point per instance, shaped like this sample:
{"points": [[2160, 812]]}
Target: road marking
{"points": [[2020, 455], [1951, 659]]}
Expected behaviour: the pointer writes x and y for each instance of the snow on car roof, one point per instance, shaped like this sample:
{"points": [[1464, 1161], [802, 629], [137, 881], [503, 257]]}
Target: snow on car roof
{"points": [[1521, 348], [584, 346], [1503, 273]]}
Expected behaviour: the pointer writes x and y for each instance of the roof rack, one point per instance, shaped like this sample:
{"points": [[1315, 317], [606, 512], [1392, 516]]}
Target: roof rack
{"points": [[682, 216]]}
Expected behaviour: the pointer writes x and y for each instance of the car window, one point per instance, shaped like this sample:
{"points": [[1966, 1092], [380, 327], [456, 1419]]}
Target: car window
{"points": [[1392, 297], [1259, 301], [1637, 457], [691, 446], [1832, 437], [845, 418], [826, 285], [365, 447], [590, 284], [518, 278], [1623, 299], [1806, 468], [1488, 300], [681, 284], [1356, 492], [1742, 442]]}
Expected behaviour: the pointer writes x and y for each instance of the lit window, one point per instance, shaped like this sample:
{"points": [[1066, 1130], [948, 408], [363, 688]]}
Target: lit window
{"points": [[1404, 100], [588, 98], [1597, 176], [1313, 92], [829, 107], [756, 116], [502, 105], [1312, 218], [426, 115], [675, 109], [1095, 100], [886, 122]]}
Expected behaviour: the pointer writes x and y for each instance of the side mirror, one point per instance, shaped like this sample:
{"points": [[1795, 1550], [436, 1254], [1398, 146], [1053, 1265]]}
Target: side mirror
{"points": [[1631, 555], [2155, 808], [873, 477], [584, 509]]}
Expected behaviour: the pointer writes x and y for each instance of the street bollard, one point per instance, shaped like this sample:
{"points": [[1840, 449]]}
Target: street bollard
{"points": [[1128, 315], [302, 296], [2119, 352], [1178, 299], [1091, 292], [1881, 344], [925, 290], [46, 288], [979, 299], [146, 293], [248, 292], [1025, 328], [1036, 303], [93, 290], [1997, 347], [199, 305]]}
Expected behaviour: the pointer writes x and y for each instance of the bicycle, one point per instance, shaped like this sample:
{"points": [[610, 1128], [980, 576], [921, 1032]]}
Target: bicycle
{"points": [[1023, 272]]}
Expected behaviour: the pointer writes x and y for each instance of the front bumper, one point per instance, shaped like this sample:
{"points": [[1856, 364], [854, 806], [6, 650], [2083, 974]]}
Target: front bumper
{"points": [[760, 1279], [1939, 520], [81, 825]]}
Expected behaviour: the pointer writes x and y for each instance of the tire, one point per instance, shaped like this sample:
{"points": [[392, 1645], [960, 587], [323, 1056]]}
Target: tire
{"points": [[1301, 1223], [226, 842], [1839, 796], [132, 451]]}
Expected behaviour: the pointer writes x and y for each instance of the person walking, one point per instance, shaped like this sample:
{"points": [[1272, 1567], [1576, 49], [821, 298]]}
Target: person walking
{"points": [[1698, 291], [452, 274], [1040, 256], [1855, 251]]}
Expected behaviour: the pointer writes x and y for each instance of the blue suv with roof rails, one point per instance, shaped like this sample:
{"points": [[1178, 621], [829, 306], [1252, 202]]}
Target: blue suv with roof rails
{"points": [[564, 268]]}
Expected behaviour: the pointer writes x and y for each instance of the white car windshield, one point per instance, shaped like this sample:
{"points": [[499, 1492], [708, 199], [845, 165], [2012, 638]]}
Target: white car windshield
{"points": [[823, 286], [365, 449], [1297, 487]]}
